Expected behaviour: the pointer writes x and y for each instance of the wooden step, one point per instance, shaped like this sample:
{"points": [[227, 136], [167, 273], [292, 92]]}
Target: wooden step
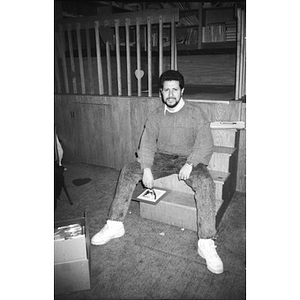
{"points": [[224, 137], [220, 160], [177, 208]]}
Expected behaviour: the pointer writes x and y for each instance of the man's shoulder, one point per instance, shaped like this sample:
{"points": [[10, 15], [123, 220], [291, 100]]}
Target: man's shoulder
{"points": [[195, 109], [157, 111]]}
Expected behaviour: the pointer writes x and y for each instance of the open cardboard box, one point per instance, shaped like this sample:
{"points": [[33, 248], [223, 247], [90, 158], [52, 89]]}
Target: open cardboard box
{"points": [[72, 261]]}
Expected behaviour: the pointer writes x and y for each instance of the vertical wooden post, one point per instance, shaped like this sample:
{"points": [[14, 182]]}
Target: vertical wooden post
{"points": [[138, 54], [63, 56], [242, 57], [175, 53], [145, 38], [244, 54], [99, 63], [119, 78], [108, 62], [80, 59], [127, 23], [200, 26], [73, 74], [149, 57], [89, 58], [56, 67], [160, 44], [238, 55], [172, 42]]}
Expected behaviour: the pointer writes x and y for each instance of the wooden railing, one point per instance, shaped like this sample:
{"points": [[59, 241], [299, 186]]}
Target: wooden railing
{"points": [[240, 78], [83, 46]]}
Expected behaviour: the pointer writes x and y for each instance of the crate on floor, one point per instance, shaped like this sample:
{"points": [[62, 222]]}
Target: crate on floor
{"points": [[72, 263]]}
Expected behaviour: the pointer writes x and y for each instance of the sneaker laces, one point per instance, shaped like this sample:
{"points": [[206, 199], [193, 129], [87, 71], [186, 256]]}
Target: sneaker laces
{"points": [[210, 250], [105, 228]]}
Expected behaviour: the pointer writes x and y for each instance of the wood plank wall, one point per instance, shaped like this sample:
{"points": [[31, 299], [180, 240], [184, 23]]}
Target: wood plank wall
{"points": [[217, 69], [241, 170], [106, 131]]}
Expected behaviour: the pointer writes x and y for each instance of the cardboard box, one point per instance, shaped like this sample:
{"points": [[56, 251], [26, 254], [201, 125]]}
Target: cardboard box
{"points": [[68, 250], [72, 263]]}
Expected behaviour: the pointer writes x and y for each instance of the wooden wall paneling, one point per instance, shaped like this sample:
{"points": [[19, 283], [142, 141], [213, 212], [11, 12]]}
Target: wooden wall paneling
{"points": [[207, 69], [96, 134], [241, 170], [83, 133], [221, 110], [73, 73], [149, 49], [82, 80], [64, 119], [63, 56], [119, 78], [99, 62], [140, 109], [99, 129], [121, 131], [128, 64], [89, 59]]}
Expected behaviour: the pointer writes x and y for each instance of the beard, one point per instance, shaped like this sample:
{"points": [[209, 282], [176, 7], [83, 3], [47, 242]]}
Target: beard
{"points": [[171, 104]]}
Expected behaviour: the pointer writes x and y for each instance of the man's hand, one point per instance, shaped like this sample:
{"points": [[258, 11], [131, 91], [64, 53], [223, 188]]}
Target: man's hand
{"points": [[185, 172], [148, 178]]}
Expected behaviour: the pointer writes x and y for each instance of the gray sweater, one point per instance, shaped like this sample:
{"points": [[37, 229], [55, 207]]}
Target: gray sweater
{"points": [[186, 132]]}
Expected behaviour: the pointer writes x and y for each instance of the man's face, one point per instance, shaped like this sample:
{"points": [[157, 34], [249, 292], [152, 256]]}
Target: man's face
{"points": [[171, 93]]}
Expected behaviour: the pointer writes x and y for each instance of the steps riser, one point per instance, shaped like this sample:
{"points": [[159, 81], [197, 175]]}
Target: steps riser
{"points": [[219, 162], [224, 137], [184, 216]]}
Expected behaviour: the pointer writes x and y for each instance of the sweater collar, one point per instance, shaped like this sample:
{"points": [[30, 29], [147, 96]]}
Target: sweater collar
{"points": [[177, 108]]}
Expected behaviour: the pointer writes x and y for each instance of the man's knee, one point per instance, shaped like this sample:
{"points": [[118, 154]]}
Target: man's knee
{"points": [[131, 167], [131, 171], [202, 178]]}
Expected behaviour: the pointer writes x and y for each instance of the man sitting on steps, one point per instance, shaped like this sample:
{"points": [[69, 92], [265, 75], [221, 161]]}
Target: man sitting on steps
{"points": [[177, 139]]}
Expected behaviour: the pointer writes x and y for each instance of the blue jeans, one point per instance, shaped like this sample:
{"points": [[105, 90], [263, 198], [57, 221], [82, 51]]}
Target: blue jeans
{"points": [[200, 181]]}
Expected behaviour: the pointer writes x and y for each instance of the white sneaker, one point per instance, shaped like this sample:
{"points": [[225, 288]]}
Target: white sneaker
{"points": [[207, 250], [112, 230]]}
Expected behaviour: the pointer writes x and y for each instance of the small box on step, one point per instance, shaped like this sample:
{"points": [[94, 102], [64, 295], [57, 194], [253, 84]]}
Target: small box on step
{"points": [[72, 265]]}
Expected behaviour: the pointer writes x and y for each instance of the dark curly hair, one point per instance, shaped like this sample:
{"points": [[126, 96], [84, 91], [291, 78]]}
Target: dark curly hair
{"points": [[171, 75]]}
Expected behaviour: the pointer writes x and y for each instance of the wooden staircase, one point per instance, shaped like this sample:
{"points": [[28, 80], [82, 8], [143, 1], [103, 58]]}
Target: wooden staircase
{"points": [[178, 207]]}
